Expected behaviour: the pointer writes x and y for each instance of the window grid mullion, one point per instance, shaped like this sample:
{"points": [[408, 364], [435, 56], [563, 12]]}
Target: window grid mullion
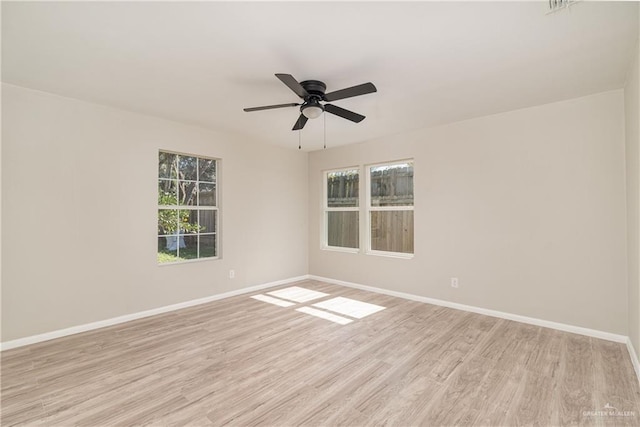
{"points": [[391, 208], [350, 209]]}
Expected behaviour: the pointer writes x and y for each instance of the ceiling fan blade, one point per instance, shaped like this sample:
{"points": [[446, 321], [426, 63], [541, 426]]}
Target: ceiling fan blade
{"points": [[270, 107], [302, 120], [350, 91], [293, 84], [345, 114]]}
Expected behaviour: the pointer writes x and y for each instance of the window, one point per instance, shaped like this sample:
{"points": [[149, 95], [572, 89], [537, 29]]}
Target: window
{"points": [[390, 207], [341, 209], [187, 207]]}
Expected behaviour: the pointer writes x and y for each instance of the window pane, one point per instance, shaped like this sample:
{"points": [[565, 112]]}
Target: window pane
{"points": [[188, 221], [392, 231], [392, 185], [207, 194], [342, 188], [167, 165], [165, 253], [187, 193], [188, 248], [207, 221], [167, 221], [208, 246], [207, 169], [187, 168], [342, 229], [167, 192]]}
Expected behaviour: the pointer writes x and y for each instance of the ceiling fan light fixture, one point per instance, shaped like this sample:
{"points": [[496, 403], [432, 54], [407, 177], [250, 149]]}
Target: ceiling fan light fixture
{"points": [[312, 110]]}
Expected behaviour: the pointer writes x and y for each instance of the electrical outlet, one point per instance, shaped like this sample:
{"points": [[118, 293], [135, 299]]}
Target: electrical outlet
{"points": [[232, 274], [454, 282]]}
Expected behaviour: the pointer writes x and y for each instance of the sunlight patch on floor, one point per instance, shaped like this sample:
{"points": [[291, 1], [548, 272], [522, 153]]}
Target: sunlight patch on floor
{"points": [[271, 300], [324, 315], [349, 307], [330, 308], [297, 294]]}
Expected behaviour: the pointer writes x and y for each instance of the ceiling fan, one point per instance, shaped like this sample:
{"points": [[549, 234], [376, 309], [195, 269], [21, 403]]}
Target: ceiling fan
{"points": [[312, 92]]}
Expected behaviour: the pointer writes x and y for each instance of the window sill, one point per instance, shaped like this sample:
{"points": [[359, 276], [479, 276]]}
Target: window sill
{"points": [[187, 261], [400, 255], [339, 249]]}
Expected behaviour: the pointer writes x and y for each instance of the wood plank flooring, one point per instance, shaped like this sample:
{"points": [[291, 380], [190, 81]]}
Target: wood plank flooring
{"points": [[244, 362]]}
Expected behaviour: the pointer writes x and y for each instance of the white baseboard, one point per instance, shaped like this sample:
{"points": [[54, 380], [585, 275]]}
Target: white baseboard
{"points": [[509, 316], [493, 313], [133, 316], [634, 358]]}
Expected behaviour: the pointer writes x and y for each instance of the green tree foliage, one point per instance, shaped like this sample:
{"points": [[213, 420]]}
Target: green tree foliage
{"points": [[172, 220]]}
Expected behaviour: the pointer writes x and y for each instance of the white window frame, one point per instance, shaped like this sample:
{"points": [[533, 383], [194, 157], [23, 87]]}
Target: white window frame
{"points": [[197, 207], [368, 209], [326, 209]]}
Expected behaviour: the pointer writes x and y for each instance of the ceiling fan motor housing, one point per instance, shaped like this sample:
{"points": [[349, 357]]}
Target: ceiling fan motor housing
{"points": [[314, 87]]}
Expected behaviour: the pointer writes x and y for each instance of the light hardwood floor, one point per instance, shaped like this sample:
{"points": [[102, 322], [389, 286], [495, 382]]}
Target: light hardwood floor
{"points": [[245, 362]]}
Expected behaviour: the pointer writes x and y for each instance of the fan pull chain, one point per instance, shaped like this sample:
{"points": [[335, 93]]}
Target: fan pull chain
{"points": [[299, 139], [325, 130]]}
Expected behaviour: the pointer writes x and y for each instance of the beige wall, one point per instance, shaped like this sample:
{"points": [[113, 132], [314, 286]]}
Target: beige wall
{"points": [[526, 208], [79, 213], [632, 116]]}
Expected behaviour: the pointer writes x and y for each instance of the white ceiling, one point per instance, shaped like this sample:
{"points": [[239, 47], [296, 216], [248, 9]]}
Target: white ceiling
{"points": [[432, 63]]}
